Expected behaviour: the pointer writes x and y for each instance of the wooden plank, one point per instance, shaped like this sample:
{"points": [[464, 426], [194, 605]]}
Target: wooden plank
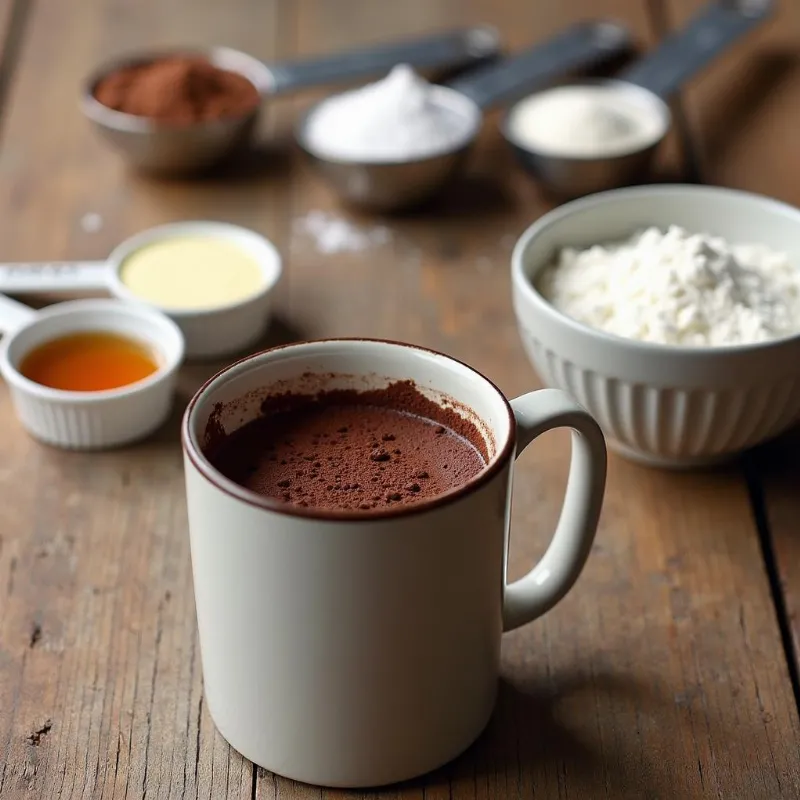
{"points": [[662, 675], [99, 674], [745, 117], [6, 12], [100, 691], [741, 110], [13, 16]]}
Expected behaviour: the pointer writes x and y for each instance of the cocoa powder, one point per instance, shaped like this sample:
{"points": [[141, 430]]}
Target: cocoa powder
{"points": [[351, 450], [178, 90]]}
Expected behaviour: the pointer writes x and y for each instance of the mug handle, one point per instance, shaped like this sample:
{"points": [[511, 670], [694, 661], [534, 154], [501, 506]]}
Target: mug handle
{"points": [[554, 575]]}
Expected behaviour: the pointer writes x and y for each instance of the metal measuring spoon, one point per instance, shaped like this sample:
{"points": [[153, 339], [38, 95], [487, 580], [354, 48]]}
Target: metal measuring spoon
{"points": [[646, 84], [153, 147], [389, 185]]}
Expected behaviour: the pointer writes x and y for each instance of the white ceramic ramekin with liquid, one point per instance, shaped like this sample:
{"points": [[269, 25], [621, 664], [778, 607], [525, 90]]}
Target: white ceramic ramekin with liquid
{"points": [[89, 420]]}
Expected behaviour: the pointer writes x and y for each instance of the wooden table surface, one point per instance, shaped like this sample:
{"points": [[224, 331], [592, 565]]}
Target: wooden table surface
{"points": [[669, 672]]}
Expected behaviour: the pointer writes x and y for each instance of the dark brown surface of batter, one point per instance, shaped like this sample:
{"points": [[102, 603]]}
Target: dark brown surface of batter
{"points": [[341, 451]]}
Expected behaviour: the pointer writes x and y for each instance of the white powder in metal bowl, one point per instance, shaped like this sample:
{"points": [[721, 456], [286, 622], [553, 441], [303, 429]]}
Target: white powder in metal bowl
{"points": [[586, 121], [678, 288], [399, 118]]}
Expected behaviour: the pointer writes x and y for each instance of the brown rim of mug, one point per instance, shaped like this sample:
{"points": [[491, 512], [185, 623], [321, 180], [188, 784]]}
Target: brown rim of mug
{"points": [[213, 476]]}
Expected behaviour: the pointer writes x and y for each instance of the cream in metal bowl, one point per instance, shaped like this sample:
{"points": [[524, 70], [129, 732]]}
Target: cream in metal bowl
{"points": [[661, 404]]}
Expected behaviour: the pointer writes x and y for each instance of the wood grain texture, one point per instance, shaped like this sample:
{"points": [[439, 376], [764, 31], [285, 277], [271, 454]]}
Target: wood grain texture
{"points": [[744, 116], [661, 676], [741, 111], [100, 692], [6, 12], [13, 18]]}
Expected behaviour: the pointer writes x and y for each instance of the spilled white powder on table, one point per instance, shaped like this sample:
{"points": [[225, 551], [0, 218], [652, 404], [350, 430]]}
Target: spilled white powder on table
{"points": [[91, 222], [678, 288], [331, 234], [483, 264]]}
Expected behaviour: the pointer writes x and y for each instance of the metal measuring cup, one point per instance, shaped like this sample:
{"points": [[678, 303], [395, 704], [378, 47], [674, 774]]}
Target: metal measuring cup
{"points": [[389, 185], [647, 84], [155, 147]]}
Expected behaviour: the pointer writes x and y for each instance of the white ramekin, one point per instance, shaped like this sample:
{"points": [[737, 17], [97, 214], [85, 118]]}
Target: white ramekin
{"points": [[663, 405], [210, 332], [221, 329], [90, 420]]}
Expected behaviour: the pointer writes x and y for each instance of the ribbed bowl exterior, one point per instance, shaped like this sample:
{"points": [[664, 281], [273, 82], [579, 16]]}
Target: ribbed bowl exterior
{"points": [[93, 426], [672, 425], [90, 420], [662, 404]]}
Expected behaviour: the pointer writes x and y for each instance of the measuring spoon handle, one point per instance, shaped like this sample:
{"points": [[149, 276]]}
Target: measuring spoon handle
{"points": [[578, 47], [686, 52], [444, 50], [54, 277]]}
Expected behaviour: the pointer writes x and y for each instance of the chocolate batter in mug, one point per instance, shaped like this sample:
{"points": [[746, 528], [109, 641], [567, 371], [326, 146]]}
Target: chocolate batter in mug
{"points": [[352, 450]]}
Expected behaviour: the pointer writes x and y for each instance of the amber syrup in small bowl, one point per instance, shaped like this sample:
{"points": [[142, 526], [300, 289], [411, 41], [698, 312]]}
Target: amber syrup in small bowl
{"points": [[91, 361]]}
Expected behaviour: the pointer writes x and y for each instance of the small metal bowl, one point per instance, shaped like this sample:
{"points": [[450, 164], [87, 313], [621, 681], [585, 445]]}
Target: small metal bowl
{"points": [[386, 185], [154, 147], [570, 177]]}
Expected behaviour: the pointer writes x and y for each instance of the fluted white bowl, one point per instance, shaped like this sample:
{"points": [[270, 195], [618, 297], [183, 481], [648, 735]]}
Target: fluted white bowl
{"points": [[77, 420], [662, 404]]}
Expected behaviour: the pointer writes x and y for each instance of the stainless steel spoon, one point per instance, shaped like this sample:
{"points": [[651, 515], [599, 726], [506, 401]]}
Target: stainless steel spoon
{"points": [[647, 84], [388, 185], [153, 147]]}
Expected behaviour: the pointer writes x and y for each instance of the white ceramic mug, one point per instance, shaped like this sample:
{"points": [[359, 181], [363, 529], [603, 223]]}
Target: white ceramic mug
{"points": [[351, 648]]}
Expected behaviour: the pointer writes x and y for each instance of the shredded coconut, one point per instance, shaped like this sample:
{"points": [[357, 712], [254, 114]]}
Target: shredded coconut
{"points": [[399, 118], [589, 121], [332, 234], [678, 288]]}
